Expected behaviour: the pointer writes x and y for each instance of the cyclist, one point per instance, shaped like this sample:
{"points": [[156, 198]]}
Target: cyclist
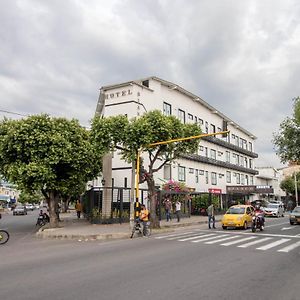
{"points": [[144, 217]]}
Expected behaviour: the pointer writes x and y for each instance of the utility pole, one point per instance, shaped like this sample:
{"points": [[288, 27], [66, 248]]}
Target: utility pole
{"points": [[296, 188]]}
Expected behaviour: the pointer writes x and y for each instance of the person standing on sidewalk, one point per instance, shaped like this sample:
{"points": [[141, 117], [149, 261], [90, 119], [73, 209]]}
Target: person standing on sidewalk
{"points": [[211, 215], [168, 208], [78, 208], [178, 209]]}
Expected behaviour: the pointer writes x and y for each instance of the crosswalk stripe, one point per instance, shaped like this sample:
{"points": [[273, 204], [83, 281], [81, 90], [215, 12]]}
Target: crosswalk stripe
{"points": [[184, 236], [195, 237], [209, 238], [169, 235], [239, 241], [223, 239], [274, 244], [290, 247], [254, 242]]}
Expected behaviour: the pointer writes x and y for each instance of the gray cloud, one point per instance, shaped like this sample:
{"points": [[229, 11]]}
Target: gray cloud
{"points": [[240, 56]]}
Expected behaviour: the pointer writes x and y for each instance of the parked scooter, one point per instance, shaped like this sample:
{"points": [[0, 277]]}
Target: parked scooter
{"points": [[258, 222]]}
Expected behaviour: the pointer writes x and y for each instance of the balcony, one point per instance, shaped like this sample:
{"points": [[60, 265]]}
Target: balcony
{"points": [[218, 163], [230, 146]]}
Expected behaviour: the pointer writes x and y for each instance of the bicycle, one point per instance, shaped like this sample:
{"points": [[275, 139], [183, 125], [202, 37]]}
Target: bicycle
{"points": [[4, 236], [144, 230]]}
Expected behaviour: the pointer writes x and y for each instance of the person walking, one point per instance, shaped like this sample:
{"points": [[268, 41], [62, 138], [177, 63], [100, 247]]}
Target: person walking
{"points": [[78, 208], [168, 208], [211, 215], [178, 210]]}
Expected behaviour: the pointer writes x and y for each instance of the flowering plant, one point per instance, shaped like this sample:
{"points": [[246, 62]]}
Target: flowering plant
{"points": [[175, 186]]}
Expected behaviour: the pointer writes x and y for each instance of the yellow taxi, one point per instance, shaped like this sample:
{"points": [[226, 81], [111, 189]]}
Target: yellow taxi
{"points": [[238, 216]]}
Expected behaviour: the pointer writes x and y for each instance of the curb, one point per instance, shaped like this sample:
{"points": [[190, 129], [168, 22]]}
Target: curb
{"points": [[45, 233]]}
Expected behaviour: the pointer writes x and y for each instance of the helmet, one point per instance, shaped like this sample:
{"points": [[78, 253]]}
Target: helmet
{"points": [[257, 206]]}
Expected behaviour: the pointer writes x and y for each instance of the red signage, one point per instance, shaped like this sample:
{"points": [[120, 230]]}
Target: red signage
{"points": [[215, 191]]}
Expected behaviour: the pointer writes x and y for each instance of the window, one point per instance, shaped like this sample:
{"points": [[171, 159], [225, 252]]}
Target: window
{"points": [[213, 154], [167, 109], [191, 170], [181, 115], [167, 172], [242, 179], [213, 178], [181, 173], [212, 128], [206, 177], [250, 147], [250, 163], [201, 172], [228, 156], [206, 127], [190, 117], [206, 151], [201, 148], [200, 121], [251, 180], [237, 140], [245, 162], [238, 178], [125, 182], [246, 180], [196, 176], [228, 176], [195, 120]]}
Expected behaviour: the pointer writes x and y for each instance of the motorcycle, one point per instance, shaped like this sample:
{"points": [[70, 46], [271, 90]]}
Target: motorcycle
{"points": [[257, 222], [41, 220]]}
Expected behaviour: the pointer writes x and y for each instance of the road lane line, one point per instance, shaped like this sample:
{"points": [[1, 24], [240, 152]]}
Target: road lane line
{"points": [[239, 241], [289, 248], [209, 238], [223, 239], [183, 236], [254, 242], [274, 244]]}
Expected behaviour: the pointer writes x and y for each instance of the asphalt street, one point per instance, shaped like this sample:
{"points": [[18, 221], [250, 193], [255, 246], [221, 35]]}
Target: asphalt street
{"points": [[189, 263]]}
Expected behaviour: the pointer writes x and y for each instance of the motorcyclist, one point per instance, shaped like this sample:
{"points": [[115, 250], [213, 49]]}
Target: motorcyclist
{"points": [[258, 211]]}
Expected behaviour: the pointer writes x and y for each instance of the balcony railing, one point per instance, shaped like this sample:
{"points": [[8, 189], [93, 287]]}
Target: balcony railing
{"points": [[219, 142], [218, 163]]}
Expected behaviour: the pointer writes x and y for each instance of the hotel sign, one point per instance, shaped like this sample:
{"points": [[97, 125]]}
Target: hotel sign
{"points": [[118, 94], [215, 191], [250, 189]]}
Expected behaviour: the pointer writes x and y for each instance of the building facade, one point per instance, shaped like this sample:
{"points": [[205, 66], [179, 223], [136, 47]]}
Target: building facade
{"points": [[221, 162]]}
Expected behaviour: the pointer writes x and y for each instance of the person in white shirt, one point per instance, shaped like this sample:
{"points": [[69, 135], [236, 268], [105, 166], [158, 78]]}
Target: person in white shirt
{"points": [[178, 209]]}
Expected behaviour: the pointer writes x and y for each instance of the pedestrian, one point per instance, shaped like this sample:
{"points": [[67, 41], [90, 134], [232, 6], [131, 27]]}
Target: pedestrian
{"points": [[211, 215], [178, 209], [78, 208], [168, 208]]}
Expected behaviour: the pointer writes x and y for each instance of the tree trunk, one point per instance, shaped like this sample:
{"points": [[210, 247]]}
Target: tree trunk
{"points": [[153, 202], [53, 204]]}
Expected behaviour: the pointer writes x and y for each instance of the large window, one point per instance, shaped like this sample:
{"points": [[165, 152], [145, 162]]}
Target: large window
{"points": [[167, 109], [181, 115], [213, 178], [213, 154], [228, 176], [181, 173]]}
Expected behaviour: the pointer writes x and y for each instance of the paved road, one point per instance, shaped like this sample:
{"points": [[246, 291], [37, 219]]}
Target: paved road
{"points": [[185, 264]]}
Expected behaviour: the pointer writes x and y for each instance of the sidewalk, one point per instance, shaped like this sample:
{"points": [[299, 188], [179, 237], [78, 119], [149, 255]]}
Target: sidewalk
{"points": [[82, 230]]}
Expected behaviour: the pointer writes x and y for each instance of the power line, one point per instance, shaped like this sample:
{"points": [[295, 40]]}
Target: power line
{"points": [[12, 113]]}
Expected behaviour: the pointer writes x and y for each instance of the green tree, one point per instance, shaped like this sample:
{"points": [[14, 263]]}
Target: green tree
{"points": [[287, 140], [51, 155], [132, 135], [288, 184], [30, 197]]}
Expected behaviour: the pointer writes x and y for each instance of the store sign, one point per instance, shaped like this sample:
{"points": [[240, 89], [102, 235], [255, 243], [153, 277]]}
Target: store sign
{"points": [[250, 189], [215, 191], [118, 94]]}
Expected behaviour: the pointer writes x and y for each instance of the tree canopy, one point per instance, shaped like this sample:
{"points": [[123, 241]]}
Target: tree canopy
{"points": [[129, 136], [287, 140], [51, 155]]}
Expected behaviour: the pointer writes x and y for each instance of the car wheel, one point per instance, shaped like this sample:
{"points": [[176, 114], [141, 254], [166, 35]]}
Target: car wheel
{"points": [[224, 227], [292, 223], [245, 225]]}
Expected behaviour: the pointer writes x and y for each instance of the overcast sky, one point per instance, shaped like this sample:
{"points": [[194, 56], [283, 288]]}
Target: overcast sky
{"points": [[242, 57]]}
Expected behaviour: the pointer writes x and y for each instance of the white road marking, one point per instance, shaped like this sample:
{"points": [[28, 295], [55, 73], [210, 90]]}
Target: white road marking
{"points": [[169, 235], [195, 237], [274, 244], [239, 241], [254, 242], [223, 239], [209, 238], [287, 228], [290, 247], [183, 236], [273, 225]]}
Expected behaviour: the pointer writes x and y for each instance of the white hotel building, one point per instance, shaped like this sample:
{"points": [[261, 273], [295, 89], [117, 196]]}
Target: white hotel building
{"points": [[223, 165]]}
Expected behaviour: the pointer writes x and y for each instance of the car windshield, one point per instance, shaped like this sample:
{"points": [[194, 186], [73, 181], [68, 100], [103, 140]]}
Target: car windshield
{"points": [[272, 206], [296, 210], [235, 211]]}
